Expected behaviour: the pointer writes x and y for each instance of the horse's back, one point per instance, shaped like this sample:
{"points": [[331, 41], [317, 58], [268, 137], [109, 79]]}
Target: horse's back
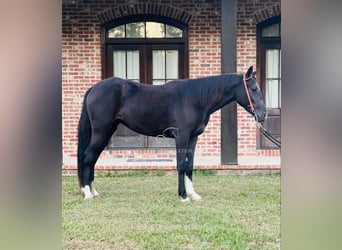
{"points": [[144, 108]]}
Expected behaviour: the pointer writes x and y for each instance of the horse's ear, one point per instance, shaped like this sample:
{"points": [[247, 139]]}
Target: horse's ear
{"points": [[249, 72], [254, 73]]}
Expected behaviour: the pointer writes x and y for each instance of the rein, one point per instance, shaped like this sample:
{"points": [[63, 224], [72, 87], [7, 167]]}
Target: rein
{"points": [[262, 129]]}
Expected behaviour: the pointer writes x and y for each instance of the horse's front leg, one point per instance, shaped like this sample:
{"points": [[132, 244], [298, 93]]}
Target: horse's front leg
{"points": [[188, 174], [181, 166], [181, 148]]}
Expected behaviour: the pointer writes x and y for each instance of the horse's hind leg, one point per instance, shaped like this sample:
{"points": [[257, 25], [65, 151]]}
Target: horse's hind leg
{"points": [[99, 140], [92, 154]]}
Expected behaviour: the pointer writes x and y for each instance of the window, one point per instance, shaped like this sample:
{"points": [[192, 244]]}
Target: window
{"points": [[272, 30], [145, 30], [147, 49], [269, 68]]}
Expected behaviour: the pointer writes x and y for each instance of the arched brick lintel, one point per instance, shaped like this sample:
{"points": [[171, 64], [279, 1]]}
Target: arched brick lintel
{"points": [[144, 8], [266, 13]]}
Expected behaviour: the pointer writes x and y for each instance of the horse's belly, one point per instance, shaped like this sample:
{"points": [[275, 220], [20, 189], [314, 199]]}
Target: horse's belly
{"points": [[148, 124], [142, 128], [149, 116]]}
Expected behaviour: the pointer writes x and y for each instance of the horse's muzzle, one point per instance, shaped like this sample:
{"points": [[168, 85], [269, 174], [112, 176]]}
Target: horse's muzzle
{"points": [[260, 118]]}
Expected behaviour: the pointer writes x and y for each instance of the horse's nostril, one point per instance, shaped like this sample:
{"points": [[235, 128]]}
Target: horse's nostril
{"points": [[262, 117]]}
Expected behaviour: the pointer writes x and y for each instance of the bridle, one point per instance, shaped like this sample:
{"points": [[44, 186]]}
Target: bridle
{"points": [[248, 95], [262, 129]]}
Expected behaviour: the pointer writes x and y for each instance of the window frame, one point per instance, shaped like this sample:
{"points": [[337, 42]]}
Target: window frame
{"points": [[263, 43], [106, 41]]}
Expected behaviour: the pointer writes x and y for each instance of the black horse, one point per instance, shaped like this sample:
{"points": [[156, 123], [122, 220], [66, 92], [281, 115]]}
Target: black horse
{"points": [[179, 109]]}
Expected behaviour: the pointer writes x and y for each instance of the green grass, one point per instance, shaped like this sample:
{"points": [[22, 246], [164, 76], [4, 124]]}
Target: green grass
{"points": [[144, 212]]}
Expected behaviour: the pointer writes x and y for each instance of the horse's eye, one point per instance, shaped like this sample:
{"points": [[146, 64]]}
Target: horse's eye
{"points": [[253, 86]]}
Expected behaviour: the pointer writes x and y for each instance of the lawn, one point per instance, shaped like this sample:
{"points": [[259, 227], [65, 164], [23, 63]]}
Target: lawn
{"points": [[141, 211]]}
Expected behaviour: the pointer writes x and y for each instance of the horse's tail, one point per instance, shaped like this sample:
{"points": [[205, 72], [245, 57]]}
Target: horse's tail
{"points": [[84, 136]]}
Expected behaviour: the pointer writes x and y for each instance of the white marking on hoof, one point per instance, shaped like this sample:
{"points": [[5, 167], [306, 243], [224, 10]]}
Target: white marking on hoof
{"points": [[195, 197], [190, 189], [93, 190], [86, 191], [185, 200]]}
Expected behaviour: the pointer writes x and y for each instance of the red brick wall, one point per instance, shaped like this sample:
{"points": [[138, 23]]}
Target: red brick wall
{"points": [[81, 61], [250, 13]]}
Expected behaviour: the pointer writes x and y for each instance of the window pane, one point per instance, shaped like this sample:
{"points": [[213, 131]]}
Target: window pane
{"points": [[155, 30], [173, 32], [135, 30], [172, 64], [119, 63], [133, 65], [117, 32], [272, 63], [158, 57], [271, 31], [272, 94]]}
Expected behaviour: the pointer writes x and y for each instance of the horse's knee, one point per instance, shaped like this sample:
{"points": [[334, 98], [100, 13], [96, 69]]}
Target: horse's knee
{"points": [[182, 166]]}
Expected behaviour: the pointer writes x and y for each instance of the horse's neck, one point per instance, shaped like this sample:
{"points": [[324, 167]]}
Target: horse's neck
{"points": [[217, 91]]}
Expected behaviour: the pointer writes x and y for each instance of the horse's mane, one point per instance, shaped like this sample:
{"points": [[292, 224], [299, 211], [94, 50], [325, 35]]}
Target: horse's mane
{"points": [[208, 87]]}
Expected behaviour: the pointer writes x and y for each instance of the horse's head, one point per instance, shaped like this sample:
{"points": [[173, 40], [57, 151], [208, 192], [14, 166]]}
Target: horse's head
{"points": [[249, 96]]}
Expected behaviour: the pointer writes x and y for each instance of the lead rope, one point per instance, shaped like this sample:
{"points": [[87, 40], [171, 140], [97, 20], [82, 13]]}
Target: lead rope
{"points": [[268, 136]]}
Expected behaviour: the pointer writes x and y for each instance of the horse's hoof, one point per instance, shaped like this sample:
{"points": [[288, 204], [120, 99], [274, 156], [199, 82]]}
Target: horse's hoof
{"points": [[86, 192], [88, 197], [185, 200], [95, 193], [195, 197], [93, 190]]}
